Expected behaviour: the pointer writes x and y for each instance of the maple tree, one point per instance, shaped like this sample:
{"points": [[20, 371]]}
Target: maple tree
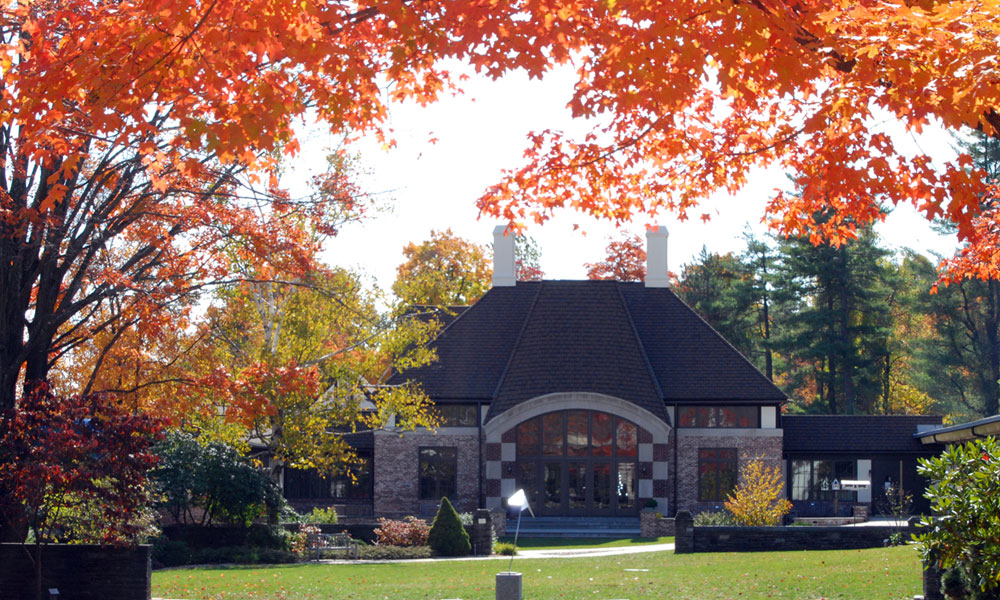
{"points": [[65, 454], [445, 270], [625, 260], [290, 367]]}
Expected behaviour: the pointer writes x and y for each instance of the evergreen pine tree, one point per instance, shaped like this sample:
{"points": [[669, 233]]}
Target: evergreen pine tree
{"points": [[448, 536]]}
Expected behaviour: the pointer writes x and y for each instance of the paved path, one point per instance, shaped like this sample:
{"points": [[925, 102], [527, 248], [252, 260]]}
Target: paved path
{"points": [[522, 554]]}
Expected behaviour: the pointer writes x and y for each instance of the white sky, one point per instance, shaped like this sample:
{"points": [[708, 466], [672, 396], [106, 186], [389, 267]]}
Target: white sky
{"points": [[435, 186]]}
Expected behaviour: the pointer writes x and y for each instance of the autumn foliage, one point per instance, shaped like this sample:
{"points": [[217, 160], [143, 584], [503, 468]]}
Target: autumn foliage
{"points": [[64, 454], [758, 499], [625, 261]]}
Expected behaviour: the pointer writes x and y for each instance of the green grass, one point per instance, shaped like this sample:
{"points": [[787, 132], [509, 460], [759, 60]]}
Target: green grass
{"points": [[880, 573], [553, 543]]}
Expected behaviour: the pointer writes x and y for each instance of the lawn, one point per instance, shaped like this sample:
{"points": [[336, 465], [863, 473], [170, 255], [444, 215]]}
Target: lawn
{"points": [[845, 574], [552, 543]]}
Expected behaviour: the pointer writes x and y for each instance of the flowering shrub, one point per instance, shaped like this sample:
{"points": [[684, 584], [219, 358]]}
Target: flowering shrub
{"points": [[305, 541], [411, 531]]}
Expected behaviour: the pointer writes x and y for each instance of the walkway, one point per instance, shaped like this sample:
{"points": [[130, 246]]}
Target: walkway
{"points": [[522, 554]]}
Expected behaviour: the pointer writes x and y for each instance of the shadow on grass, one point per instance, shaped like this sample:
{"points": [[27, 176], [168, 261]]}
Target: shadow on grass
{"points": [[529, 543]]}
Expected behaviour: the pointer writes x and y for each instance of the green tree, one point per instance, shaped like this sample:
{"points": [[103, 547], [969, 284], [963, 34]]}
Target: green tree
{"points": [[835, 325], [964, 532], [448, 536], [715, 286]]}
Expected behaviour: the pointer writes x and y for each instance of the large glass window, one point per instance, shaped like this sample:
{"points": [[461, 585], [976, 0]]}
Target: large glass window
{"points": [[458, 415], [813, 479], [716, 473], [355, 483], [745, 417], [577, 433], [438, 473]]}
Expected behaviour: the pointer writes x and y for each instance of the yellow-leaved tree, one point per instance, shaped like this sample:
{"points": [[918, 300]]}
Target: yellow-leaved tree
{"points": [[757, 499]]}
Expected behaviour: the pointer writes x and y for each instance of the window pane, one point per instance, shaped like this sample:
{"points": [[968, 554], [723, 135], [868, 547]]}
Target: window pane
{"points": [[527, 476], [801, 471], [576, 433], [688, 417], [553, 485], [438, 473], [552, 434], [527, 438], [628, 438], [577, 484], [626, 485], [716, 473], [458, 415], [602, 485], [601, 435]]}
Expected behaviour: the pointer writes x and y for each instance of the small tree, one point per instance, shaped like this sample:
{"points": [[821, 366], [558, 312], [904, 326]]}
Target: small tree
{"points": [[63, 456], [965, 497], [215, 479], [757, 499], [448, 537]]}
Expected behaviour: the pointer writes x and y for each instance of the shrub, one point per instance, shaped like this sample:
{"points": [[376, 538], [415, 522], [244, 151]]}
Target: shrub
{"points": [[387, 552], [241, 555], [411, 531], [505, 548], [170, 553], [710, 518], [965, 496], [651, 503], [448, 536], [757, 499], [321, 516]]}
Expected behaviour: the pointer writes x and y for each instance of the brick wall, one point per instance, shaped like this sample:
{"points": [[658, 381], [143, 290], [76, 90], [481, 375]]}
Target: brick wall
{"points": [[79, 571], [763, 444], [396, 462]]}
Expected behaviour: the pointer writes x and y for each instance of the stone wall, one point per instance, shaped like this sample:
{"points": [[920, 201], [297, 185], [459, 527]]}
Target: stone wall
{"points": [[749, 444], [653, 524], [691, 539], [396, 462], [79, 571]]}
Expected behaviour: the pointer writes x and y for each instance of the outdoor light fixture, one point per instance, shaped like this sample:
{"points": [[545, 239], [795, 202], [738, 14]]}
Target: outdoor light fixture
{"points": [[509, 583]]}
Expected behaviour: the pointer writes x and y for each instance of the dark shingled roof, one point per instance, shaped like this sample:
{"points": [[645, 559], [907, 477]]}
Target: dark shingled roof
{"points": [[622, 339], [854, 434]]}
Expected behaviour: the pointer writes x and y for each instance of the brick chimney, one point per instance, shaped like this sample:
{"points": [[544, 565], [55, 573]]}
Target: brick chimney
{"points": [[656, 257], [504, 274]]}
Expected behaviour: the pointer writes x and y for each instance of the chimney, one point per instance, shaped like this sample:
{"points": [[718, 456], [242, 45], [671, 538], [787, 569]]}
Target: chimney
{"points": [[503, 258], [656, 257]]}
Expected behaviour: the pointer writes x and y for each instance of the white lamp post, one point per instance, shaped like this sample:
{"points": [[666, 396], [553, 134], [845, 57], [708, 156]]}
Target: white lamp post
{"points": [[509, 583]]}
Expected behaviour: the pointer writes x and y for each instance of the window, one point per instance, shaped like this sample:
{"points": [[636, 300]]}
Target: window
{"points": [[578, 433], [813, 479], [744, 417], [458, 415], [309, 484], [716, 473], [438, 473]]}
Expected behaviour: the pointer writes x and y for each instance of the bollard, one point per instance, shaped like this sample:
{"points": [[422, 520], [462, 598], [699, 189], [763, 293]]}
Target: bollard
{"points": [[508, 586]]}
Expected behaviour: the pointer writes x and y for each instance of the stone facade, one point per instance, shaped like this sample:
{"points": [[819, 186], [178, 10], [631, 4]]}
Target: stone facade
{"points": [[749, 444], [396, 464]]}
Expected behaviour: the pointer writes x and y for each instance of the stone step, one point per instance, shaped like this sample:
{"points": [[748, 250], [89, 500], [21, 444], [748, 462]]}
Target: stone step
{"points": [[605, 527]]}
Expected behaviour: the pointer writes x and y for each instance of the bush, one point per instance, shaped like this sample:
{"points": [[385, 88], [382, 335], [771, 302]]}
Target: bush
{"points": [[321, 516], [651, 503], [965, 496], [411, 531], [505, 548], [241, 555], [448, 536], [757, 500], [710, 518], [386, 552], [170, 553]]}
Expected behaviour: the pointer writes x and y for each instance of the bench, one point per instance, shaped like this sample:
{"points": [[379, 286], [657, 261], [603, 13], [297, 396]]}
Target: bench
{"points": [[319, 543]]}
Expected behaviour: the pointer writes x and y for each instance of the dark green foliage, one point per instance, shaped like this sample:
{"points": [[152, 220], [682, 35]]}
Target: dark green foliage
{"points": [[213, 477], [386, 552], [448, 536], [836, 322], [172, 553], [964, 534]]}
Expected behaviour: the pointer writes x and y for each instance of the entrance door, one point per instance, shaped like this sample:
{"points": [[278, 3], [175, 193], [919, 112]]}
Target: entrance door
{"points": [[576, 463]]}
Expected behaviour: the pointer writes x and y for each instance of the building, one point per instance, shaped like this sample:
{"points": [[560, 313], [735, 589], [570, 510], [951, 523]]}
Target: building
{"points": [[596, 397]]}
